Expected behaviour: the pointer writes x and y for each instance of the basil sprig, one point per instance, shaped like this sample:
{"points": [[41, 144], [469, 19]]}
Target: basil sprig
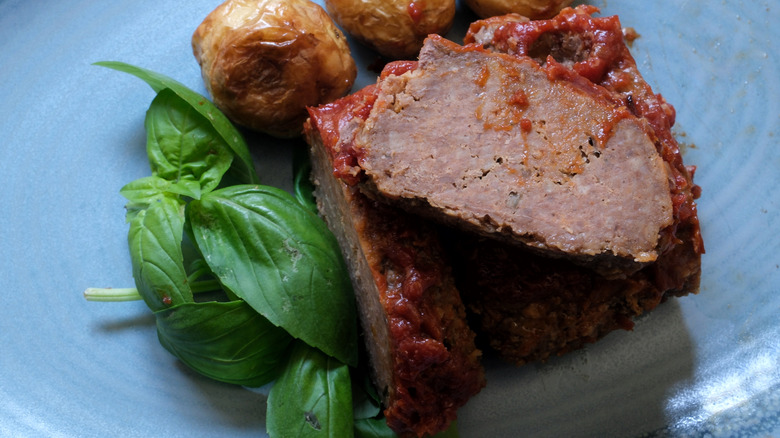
{"points": [[273, 270], [226, 341], [280, 304]]}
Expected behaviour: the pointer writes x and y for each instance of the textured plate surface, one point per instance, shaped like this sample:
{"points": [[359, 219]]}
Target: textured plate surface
{"points": [[72, 134]]}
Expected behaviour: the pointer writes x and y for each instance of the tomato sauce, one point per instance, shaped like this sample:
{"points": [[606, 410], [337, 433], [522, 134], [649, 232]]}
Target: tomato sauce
{"points": [[330, 120], [607, 69], [415, 11], [408, 270]]}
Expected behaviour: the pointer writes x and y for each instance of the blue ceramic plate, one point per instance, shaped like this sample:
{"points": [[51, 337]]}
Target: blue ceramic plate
{"points": [[72, 134]]}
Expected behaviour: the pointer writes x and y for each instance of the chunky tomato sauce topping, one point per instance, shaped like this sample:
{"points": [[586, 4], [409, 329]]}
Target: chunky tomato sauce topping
{"points": [[331, 120]]}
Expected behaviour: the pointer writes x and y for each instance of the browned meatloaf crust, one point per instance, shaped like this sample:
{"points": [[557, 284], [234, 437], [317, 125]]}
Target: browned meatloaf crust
{"points": [[528, 308], [425, 363]]}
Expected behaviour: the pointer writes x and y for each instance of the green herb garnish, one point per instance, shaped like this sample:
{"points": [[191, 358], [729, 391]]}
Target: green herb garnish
{"points": [[246, 282]]}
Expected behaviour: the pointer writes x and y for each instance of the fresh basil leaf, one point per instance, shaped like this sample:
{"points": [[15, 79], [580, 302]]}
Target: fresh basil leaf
{"points": [[282, 260], [229, 342], [302, 185], [183, 147], [311, 398], [373, 428], [155, 251], [243, 169], [142, 192]]}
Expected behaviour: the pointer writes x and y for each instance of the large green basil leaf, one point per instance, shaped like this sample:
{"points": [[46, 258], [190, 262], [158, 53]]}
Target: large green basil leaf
{"points": [[244, 168], [282, 260], [183, 147], [155, 238], [227, 341], [311, 398]]}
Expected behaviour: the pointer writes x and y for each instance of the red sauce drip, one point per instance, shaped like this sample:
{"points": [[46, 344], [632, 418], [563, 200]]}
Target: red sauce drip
{"points": [[415, 11]]}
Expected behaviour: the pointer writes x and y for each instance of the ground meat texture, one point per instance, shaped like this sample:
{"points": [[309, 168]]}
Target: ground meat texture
{"points": [[528, 308], [423, 356], [492, 143], [593, 50], [604, 131]]}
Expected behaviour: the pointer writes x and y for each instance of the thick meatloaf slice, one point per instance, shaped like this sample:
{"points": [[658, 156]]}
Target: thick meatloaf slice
{"points": [[422, 352], [528, 308], [593, 51], [493, 143]]}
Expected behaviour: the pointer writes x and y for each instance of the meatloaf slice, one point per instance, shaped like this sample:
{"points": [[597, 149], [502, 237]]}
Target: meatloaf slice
{"points": [[493, 143], [422, 352], [528, 308], [593, 51]]}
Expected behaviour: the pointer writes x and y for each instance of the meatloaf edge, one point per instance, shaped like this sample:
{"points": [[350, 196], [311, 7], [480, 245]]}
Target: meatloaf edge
{"points": [[422, 352]]}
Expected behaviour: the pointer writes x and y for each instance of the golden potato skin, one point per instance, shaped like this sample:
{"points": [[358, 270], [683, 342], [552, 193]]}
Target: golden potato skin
{"points": [[264, 61], [533, 9], [394, 28]]}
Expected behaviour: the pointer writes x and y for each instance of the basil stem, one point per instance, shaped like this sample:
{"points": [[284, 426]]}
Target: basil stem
{"points": [[111, 294]]}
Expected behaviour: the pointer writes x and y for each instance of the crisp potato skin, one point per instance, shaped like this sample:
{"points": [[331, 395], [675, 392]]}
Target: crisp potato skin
{"points": [[533, 9], [394, 28], [265, 61]]}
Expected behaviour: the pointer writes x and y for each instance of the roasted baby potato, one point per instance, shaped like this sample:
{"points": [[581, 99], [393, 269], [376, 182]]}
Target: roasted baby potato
{"points": [[533, 9], [394, 28], [264, 61]]}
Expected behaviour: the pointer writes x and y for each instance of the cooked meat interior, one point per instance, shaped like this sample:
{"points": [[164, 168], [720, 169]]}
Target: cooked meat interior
{"points": [[425, 363], [540, 132], [493, 143], [592, 51], [528, 307]]}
